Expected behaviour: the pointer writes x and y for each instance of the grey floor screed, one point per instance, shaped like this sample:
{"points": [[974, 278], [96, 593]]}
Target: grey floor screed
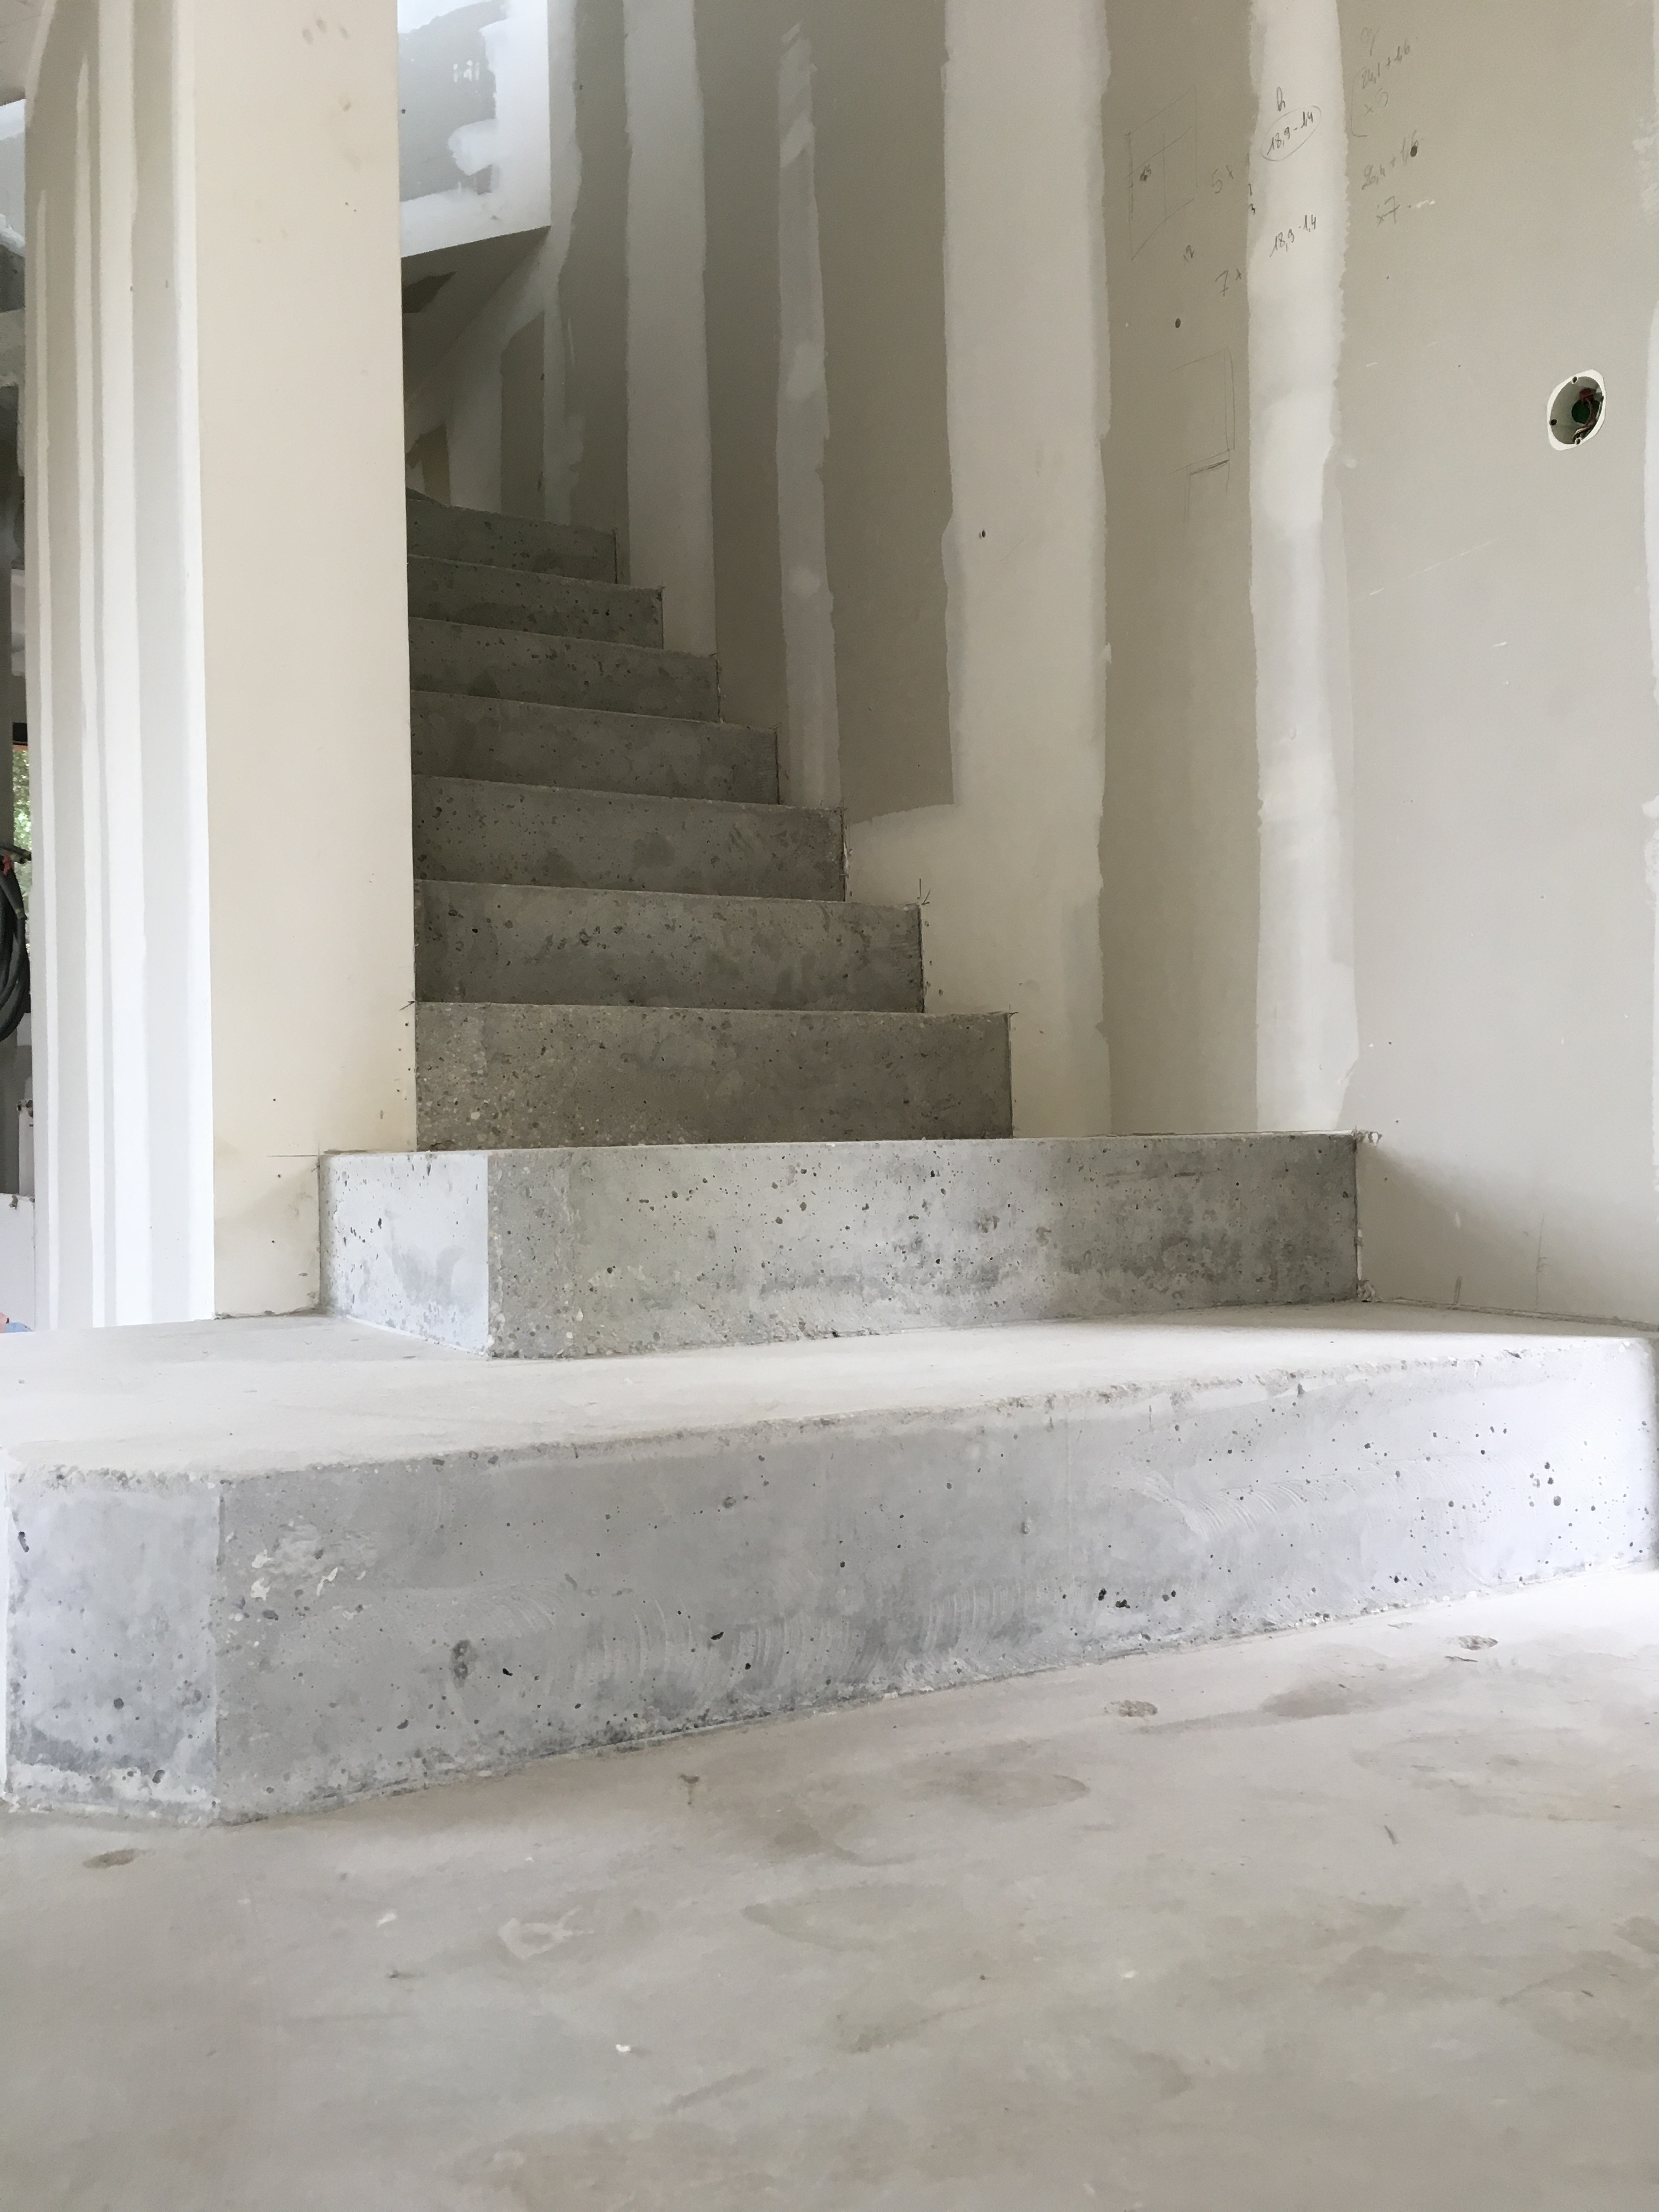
{"points": [[1360, 1918]]}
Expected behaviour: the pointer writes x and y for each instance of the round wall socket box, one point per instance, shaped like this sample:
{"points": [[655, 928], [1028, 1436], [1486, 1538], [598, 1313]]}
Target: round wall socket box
{"points": [[1576, 408]]}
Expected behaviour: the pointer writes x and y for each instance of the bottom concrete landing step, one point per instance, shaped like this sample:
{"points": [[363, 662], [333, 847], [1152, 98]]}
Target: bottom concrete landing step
{"points": [[254, 1567], [586, 1252]]}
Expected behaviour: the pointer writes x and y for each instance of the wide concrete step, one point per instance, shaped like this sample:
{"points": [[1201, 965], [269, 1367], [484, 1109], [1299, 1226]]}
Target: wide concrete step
{"points": [[490, 1078], [259, 1567], [580, 1253], [508, 541], [511, 598], [561, 671], [516, 741], [467, 831], [526, 944]]}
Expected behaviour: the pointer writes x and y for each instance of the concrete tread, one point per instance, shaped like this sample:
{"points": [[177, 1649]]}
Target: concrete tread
{"points": [[507, 541], [474, 830], [592, 749], [536, 943], [594, 1252], [516, 599], [496, 1076], [487, 663], [241, 1399]]}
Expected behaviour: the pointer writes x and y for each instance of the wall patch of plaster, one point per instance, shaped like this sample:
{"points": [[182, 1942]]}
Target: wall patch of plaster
{"points": [[1307, 1033], [1010, 871], [670, 463], [811, 760]]}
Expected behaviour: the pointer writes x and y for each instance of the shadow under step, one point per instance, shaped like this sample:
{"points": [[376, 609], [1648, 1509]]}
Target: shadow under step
{"points": [[472, 832], [582, 1254], [555, 606], [508, 541], [516, 741], [519, 944], [561, 671], [493, 1077]]}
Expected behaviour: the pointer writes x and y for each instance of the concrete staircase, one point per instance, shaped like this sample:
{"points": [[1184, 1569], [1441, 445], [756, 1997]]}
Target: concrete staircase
{"points": [[674, 1088], [622, 936]]}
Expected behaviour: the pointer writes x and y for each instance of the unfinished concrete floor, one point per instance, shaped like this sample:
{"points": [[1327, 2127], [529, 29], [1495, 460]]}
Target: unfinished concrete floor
{"points": [[1361, 1916]]}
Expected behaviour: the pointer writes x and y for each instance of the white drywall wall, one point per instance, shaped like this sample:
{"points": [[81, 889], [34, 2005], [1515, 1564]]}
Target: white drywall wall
{"points": [[1453, 675], [1011, 872], [810, 747], [13, 213], [670, 485], [1506, 738], [220, 707], [1305, 1013]]}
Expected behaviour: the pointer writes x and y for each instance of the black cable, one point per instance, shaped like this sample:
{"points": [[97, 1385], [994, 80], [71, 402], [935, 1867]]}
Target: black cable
{"points": [[13, 944]]}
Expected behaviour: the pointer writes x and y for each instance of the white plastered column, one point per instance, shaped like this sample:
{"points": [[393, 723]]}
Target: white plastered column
{"points": [[223, 918]]}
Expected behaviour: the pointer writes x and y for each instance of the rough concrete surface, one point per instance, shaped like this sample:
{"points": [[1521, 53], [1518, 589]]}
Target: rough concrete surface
{"points": [[256, 1567], [478, 832], [510, 663], [508, 599], [531, 944], [512, 1076], [519, 741], [508, 541], [547, 1254], [1361, 1916]]}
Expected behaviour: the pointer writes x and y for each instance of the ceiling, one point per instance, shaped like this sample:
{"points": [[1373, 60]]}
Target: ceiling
{"points": [[18, 20]]}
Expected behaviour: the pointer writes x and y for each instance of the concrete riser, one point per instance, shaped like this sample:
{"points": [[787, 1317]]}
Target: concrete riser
{"points": [[295, 1640], [556, 606], [507, 541], [505, 832], [581, 1254], [516, 741], [500, 1077], [507, 945], [505, 663]]}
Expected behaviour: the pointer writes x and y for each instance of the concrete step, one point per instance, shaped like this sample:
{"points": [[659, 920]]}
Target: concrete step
{"points": [[472, 832], [515, 741], [525, 945], [508, 541], [507, 664], [259, 1567], [494, 1077], [584, 1254], [511, 598]]}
